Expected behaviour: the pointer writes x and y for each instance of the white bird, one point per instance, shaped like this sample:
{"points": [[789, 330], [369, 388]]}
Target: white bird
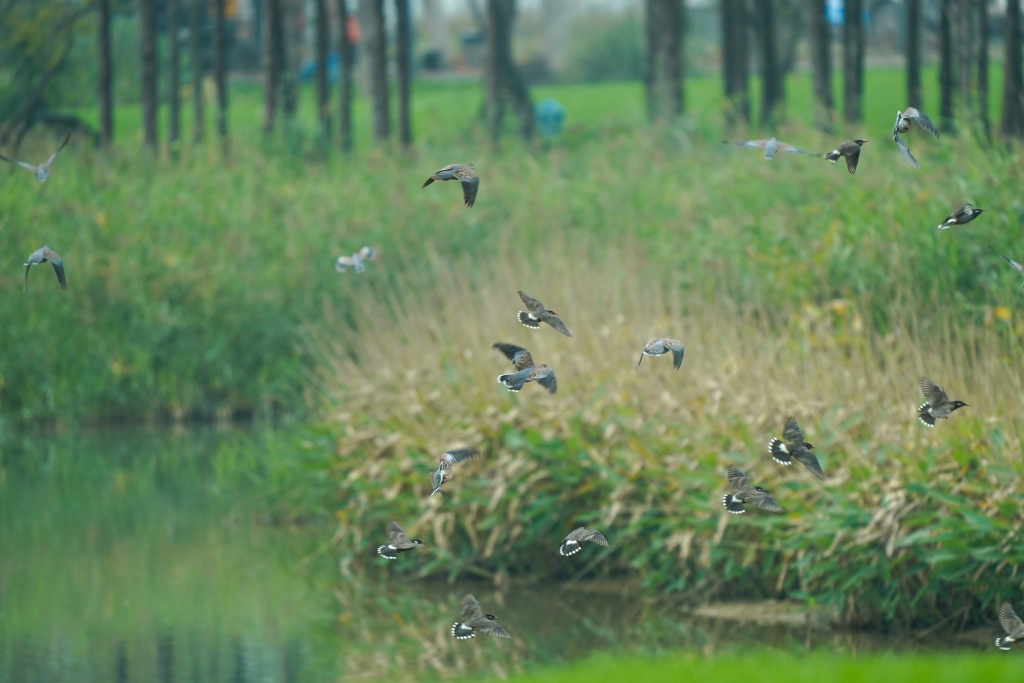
{"points": [[42, 171], [355, 261]]}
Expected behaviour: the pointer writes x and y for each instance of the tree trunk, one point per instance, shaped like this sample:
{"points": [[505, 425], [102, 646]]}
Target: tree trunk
{"points": [[220, 70], [376, 52], [287, 59], [913, 47], [821, 61], [735, 58], [323, 48], [664, 59], [174, 73], [503, 79], [147, 45], [105, 76], [345, 77], [1013, 80], [195, 62], [404, 57], [771, 83], [983, 67], [963, 39], [272, 50], [853, 60], [946, 65]]}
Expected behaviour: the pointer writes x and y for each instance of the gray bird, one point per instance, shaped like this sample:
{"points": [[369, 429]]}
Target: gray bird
{"points": [[770, 147], [573, 543], [902, 125], [744, 492], [42, 171], [472, 619], [849, 150], [526, 371], [398, 542], [1013, 264], [42, 255], [465, 174], [536, 314], [444, 471], [938, 404], [355, 261], [794, 448], [1012, 624], [659, 347], [962, 216]]}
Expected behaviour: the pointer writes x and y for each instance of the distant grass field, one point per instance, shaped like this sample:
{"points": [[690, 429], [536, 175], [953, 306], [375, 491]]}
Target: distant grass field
{"points": [[768, 667]]}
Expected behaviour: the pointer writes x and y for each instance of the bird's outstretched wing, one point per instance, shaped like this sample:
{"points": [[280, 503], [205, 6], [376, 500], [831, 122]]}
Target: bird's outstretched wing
{"points": [[905, 151]]}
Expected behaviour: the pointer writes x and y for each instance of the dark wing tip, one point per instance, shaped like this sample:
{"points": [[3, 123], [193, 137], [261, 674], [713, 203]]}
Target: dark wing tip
{"points": [[426, 182]]}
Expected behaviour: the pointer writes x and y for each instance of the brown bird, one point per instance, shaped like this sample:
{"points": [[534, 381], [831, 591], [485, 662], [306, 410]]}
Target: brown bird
{"points": [[849, 150], [526, 371], [42, 255], [537, 314], [659, 347], [1012, 624], [794, 448], [745, 492], [472, 619], [572, 543], [465, 174], [398, 542], [42, 171]]}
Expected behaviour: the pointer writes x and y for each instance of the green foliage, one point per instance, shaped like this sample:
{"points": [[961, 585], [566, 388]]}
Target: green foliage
{"points": [[606, 47]]}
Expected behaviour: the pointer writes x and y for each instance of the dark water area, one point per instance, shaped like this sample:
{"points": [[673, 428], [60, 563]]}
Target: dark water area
{"points": [[146, 555]]}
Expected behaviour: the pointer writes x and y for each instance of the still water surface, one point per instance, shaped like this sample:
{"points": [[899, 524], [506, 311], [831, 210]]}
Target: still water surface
{"points": [[139, 555]]}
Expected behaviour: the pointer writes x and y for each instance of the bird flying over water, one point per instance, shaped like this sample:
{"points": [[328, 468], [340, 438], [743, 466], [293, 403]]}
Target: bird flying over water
{"points": [[472, 619], [938, 404], [444, 471], [43, 255], [398, 542], [794, 448], [745, 492], [526, 371], [42, 171], [770, 147], [1012, 624], [465, 174], [355, 261], [536, 313], [849, 150], [659, 347], [573, 543], [962, 216]]}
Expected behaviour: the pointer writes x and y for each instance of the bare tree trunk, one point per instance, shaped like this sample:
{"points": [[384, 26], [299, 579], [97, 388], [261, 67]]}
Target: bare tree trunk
{"points": [[404, 57], [174, 74], [1013, 79], [853, 60], [821, 61], [220, 71], [323, 47], [287, 59], [946, 65], [345, 77], [195, 62], [376, 51], [105, 76], [771, 83], [983, 67], [913, 47], [147, 44], [271, 62], [963, 40], [735, 58], [664, 60], [502, 77]]}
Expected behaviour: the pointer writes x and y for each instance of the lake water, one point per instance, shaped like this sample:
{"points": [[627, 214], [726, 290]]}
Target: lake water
{"points": [[136, 555]]}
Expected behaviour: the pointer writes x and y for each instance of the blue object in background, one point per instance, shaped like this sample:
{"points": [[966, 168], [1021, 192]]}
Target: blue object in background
{"points": [[835, 13], [308, 69], [550, 117]]}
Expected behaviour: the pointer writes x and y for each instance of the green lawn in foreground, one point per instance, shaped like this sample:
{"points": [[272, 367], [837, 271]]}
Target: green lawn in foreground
{"points": [[771, 667]]}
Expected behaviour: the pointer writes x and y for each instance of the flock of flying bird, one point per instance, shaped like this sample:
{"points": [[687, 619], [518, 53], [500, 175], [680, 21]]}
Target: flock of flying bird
{"points": [[792, 446]]}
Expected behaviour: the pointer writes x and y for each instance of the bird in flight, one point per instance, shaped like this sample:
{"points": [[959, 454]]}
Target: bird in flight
{"points": [[536, 314], [938, 404], [398, 542], [659, 347], [43, 255], [526, 371], [465, 174], [472, 619], [572, 543], [445, 472], [849, 150], [770, 147], [902, 125], [745, 492], [962, 216], [1012, 624], [794, 448], [42, 171], [1013, 264], [356, 261]]}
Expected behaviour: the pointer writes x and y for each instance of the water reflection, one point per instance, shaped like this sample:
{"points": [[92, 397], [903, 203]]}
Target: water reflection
{"points": [[139, 555]]}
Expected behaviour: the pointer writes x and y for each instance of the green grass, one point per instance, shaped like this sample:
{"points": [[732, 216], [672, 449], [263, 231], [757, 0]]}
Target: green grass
{"points": [[773, 666]]}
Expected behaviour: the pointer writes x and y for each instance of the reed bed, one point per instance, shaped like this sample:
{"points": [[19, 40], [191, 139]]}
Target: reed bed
{"points": [[912, 526]]}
